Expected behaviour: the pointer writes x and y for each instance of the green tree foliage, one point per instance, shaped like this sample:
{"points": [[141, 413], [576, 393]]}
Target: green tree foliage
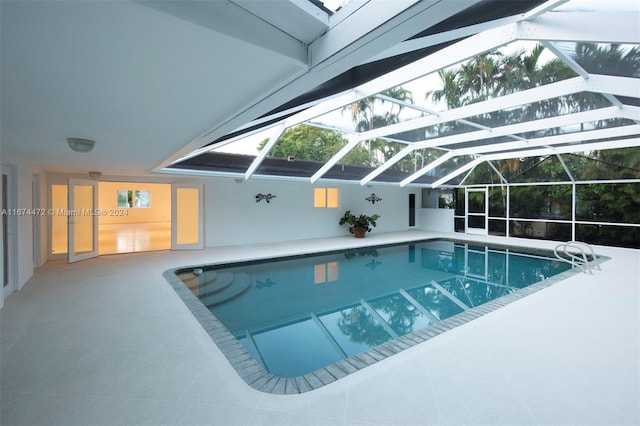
{"points": [[313, 143], [493, 74]]}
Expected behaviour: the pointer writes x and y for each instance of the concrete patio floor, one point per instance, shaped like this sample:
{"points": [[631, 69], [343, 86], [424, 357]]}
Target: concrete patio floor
{"points": [[107, 341]]}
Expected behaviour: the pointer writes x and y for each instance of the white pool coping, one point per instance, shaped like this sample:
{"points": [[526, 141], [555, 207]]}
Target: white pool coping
{"points": [[107, 341]]}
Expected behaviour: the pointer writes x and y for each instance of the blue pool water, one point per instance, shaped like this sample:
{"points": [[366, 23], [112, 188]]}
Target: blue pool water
{"points": [[300, 314]]}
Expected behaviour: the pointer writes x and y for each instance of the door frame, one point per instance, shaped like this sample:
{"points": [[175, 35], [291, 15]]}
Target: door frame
{"points": [[71, 256], [469, 229], [37, 221]]}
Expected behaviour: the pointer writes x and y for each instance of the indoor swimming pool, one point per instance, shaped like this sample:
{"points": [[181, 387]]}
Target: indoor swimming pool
{"points": [[333, 313]]}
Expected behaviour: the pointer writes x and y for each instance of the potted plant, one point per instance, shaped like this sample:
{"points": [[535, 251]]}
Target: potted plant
{"points": [[359, 225]]}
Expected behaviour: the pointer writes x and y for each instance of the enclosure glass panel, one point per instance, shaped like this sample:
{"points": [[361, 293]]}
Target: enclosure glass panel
{"points": [[459, 201], [482, 174], [497, 201], [540, 230], [606, 58], [541, 169], [619, 236], [497, 227], [623, 163], [477, 201], [541, 202], [477, 222], [610, 202]]}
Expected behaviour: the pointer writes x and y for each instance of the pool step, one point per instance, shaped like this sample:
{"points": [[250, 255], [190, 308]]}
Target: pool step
{"points": [[192, 280], [211, 283], [239, 284]]}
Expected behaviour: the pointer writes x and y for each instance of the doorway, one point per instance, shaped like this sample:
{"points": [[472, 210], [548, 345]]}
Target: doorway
{"points": [[477, 211], [137, 217], [412, 209], [129, 217]]}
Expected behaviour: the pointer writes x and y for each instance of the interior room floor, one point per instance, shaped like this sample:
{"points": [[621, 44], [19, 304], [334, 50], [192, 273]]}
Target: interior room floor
{"points": [[107, 341], [134, 237]]}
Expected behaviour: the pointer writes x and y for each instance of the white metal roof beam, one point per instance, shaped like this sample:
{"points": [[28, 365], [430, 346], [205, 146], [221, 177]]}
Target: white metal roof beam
{"points": [[543, 8], [334, 160], [390, 162], [495, 169], [430, 166], [566, 169], [566, 59], [264, 152], [435, 39], [228, 18], [457, 172], [615, 132], [596, 146], [530, 126], [428, 111], [603, 26], [372, 22], [519, 149], [623, 86], [577, 118]]}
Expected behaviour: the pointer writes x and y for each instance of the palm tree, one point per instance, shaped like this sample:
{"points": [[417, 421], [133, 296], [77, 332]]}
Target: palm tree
{"points": [[451, 92], [365, 116]]}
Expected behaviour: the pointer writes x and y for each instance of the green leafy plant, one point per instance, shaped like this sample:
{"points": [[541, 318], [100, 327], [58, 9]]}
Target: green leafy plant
{"points": [[362, 222]]}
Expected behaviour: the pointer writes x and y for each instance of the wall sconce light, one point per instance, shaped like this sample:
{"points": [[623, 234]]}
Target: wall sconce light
{"points": [[81, 145], [373, 198], [267, 197]]}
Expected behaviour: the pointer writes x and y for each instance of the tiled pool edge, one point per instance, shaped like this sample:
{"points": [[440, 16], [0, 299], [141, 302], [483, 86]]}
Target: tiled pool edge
{"points": [[260, 379]]}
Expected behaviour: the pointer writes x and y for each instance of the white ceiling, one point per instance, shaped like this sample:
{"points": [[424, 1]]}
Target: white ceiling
{"points": [[151, 80]]}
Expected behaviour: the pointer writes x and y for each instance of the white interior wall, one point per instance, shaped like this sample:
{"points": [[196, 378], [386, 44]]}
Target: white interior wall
{"points": [[233, 216], [24, 264]]}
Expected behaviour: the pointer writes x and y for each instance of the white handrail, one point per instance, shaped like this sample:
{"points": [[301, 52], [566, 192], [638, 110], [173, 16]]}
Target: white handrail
{"points": [[575, 259], [593, 253]]}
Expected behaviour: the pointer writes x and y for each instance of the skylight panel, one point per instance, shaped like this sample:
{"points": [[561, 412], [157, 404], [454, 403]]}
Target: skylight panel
{"points": [[378, 111], [246, 145], [605, 164], [605, 58]]}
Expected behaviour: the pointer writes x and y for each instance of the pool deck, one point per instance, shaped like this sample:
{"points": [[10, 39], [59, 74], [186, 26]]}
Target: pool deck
{"points": [[108, 341]]}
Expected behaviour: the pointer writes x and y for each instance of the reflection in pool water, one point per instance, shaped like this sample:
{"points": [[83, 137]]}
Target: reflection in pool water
{"points": [[297, 315]]}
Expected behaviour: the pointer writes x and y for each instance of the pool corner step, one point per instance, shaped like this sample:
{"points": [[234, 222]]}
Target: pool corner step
{"points": [[240, 282]]}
